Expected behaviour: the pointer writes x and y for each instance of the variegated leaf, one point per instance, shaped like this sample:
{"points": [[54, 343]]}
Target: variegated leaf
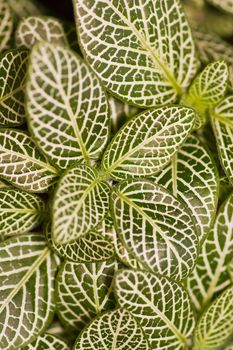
{"points": [[84, 291], [47, 342], [22, 164], [39, 28], [71, 36], [225, 5], [20, 212], [210, 275], [6, 24], [13, 68], [155, 227], [27, 273], [145, 144], [193, 177], [67, 107], [161, 307], [216, 324], [113, 330], [81, 201], [222, 122], [143, 51]]}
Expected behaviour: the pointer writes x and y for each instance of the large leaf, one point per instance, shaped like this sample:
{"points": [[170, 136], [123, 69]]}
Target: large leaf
{"points": [[161, 307], [21, 163], [147, 142], [27, 273], [155, 227], [34, 28], [6, 24], [216, 324], [210, 275], [13, 68], [84, 291], [20, 211], [222, 122], [143, 51], [67, 107], [113, 330], [193, 177], [47, 342], [225, 5], [81, 201]]}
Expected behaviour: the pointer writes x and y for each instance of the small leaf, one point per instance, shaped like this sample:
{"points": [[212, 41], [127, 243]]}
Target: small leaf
{"points": [[81, 201], [20, 212], [161, 307], [6, 24], [27, 273], [225, 5], [193, 178], [13, 68], [39, 28], [145, 144], [222, 122], [113, 330], [67, 107], [155, 227], [21, 163], [216, 324], [47, 342], [84, 291], [133, 49], [210, 275]]}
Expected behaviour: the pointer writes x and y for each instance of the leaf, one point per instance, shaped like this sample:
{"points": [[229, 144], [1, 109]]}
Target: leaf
{"points": [[20, 212], [155, 228], [207, 90], [39, 28], [13, 68], [230, 269], [230, 347], [27, 273], [6, 25], [160, 305], [222, 122], [47, 342], [145, 144], [225, 5], [133, 49], [21, 163], [81, 201], [210, 275], [67, 107], [84, 291], [24, 8], [216, 324], [113, 330], [192, 177]]}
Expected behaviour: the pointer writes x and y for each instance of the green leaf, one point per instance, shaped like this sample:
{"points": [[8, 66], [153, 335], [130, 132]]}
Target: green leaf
{"points": [[6, 24], [161, 307], [225, 5], [192, 177], [155, 227], [21, 163], [27, 273], [47, 342], [210, 275], [143, 54], [222, 122], [67, 107], [216, 324], [145, 144], [13, 68], [39, 28], [20, 212], [81, 201], [113, 330], [207, 90], [84, 291], [24, 8]]}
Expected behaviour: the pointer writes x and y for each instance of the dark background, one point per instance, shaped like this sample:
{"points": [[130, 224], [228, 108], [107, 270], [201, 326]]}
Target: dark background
{"points": [[59, 8]]}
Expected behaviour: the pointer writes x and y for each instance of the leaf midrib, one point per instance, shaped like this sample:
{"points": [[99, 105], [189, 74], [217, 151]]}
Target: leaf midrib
{"points": [[16, 211]]}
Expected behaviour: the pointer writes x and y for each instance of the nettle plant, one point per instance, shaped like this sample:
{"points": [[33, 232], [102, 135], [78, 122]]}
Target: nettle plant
{"points": [[123, 235]]}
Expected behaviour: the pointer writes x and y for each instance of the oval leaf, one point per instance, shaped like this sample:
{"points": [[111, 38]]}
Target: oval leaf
{"points": [[161, 307], [27, 273], [6, 24], [21, 163], [47, 342], [67, 107], [147, 142], [133, 49], [81, 201], [84, 291]]}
